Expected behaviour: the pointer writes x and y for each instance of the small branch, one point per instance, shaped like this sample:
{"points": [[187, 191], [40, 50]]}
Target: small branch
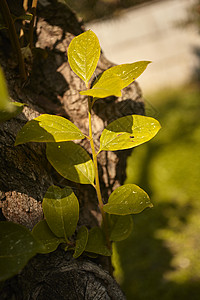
{"points": [[31, 28], [21, 36], [13, 37], [25, 5]]}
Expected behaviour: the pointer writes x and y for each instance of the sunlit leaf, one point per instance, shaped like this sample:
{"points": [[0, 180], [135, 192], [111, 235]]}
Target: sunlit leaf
{"points": [[81, 241], [48, 128], [113, 80], [97, 242], [121, 227], [127, 72], [83, 55], [127, 199], [71, 161], [128, 132], [17, 246], [105, 87], [61, 210], [47, 239]]}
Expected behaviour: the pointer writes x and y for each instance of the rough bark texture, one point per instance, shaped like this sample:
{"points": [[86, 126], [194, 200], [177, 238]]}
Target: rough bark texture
{"points": [[58, 276], [25, 172]]}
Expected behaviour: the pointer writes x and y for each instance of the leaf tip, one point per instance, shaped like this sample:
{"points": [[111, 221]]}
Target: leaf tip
{"points": [[17, 142]]}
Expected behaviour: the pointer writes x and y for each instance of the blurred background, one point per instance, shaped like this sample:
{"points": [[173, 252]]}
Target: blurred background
{"points": [[161, 258]]}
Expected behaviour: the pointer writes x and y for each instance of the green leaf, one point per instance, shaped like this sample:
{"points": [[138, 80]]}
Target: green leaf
{"points": [[8, 109], [97, 242], [71, 161], [121, 227], [91, 255], [128, 132], [48, 241], [26, 17], [17, 246], [48, 128], [4, 97], [61, 211], [113, 80], [127, 199], [105, 87], [81, 241], [83, 55], [127, 72]]}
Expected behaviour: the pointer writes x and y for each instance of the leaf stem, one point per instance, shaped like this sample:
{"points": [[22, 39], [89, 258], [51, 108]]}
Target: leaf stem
{"points": [[25, 5], [21, 35], [97, 184], [33, 10], [13, 37]]}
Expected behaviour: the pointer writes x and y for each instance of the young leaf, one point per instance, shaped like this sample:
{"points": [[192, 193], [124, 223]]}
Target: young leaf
{"points": [[127, 199], [48, 128], [113, 80], [127, 72], [48, 241], [97, 242], [71, 161], [8, 109], [128, 132], [17, 246], [83, 55], [4, 97], [61, 211], [81, 241], [105, 87], [121, 227], [26, 17]]}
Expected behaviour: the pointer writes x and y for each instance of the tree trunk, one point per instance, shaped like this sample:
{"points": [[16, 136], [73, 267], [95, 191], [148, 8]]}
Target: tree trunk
{"points": [[25, 173]]}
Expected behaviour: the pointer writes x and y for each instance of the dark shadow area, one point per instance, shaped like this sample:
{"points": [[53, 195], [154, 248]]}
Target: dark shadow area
{"points": [[96, 9], [149, 259], [142, 267], [46, 79], [114, 110], [54, 16]]}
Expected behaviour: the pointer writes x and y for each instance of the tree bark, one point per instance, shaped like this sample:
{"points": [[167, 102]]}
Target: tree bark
{"points": [[25, 172]]}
